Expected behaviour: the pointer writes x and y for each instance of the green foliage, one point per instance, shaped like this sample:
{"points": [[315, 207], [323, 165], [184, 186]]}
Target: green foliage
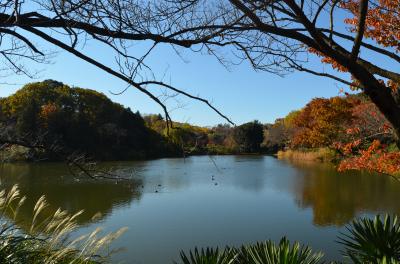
{"points": [[209, 256], [393, 148], [283, 253], [193, 139], [79, 120], [249, 136], [260, 253], [373, 241]]}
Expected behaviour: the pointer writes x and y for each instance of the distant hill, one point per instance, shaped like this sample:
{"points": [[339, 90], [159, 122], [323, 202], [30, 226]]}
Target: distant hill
{"points": [[78, 120]]}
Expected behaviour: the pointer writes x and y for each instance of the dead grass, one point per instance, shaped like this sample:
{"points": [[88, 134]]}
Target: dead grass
{"points": [[320, 154]]}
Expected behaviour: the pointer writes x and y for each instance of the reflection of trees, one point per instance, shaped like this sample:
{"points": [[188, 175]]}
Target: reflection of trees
{"points": [[336, 198], [250, 176], [62, 191]]}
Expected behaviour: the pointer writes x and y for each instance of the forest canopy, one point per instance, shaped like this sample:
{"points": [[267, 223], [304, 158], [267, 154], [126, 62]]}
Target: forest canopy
{"points": [[53, 119]]}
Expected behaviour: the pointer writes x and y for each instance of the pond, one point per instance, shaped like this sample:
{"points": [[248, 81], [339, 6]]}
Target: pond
{"points": [[176, 204]]}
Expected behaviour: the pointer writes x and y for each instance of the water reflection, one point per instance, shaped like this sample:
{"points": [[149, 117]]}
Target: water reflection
{"points": [[336, 198], [63, 191], [178, 204]]}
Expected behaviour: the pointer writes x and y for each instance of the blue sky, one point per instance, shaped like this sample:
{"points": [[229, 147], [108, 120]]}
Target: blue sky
{"points": [[240, 92]]}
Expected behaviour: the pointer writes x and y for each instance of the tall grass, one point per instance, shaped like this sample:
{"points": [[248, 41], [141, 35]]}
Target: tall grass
{"points": [[48, 239], [320, 154]]}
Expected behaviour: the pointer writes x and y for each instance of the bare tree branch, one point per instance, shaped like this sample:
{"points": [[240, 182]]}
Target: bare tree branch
{"points": [[360, 29]]}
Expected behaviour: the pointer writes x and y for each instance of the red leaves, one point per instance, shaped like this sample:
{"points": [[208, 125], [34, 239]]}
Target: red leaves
{"points": [[367, 124], [353, 130], [382, 24], [382, 21], [353, 126], [375, 158]]}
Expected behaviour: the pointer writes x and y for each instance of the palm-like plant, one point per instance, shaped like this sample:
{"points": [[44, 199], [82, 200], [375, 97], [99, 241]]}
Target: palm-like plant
{"points": [[283, 253], [209, 256], [261, 253], [372, 241]]}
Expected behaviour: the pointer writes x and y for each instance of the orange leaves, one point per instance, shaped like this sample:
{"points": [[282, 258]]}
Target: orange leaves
{"points": [[48, 114], [48, 110], [369, 120], [382, 24], [352, 131], [328, 60], [354, 127], [347, 148], [351, 120], [394, 86], [374, 158], [382, 21], [320, 122], [359, 153]]}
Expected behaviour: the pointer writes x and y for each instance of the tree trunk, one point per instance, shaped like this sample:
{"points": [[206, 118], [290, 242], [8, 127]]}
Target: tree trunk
{"points": [[383, 98]]}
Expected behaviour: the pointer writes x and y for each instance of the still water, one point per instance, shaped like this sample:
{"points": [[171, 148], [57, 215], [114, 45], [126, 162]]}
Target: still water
{"points": [[175, 204]]}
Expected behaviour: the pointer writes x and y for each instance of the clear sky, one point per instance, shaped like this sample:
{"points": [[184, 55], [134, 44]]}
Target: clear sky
{"points": [[240, 92]]}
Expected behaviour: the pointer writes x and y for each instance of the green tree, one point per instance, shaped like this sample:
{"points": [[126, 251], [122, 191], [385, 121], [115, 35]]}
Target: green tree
{"points": [[249, 136], [82, 120]]}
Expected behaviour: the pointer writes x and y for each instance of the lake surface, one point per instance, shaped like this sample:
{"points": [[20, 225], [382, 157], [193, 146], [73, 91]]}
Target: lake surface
{"points": [[176, 204]]}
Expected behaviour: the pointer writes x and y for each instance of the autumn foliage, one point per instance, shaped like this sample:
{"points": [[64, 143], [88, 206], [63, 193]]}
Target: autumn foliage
{"points": [[382, 25], [320, 122], [382, 21], [61, 119], [351, 125], [375, 158]]}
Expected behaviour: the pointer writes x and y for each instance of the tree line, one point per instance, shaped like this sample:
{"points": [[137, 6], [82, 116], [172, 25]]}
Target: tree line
{"points": [[50, 121], [352, 126]]}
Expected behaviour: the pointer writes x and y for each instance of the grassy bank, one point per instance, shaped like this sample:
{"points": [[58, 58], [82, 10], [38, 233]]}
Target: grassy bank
{"points": [[319, 154]]}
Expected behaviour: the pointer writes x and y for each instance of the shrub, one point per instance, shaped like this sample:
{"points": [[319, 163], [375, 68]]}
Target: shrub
{"points": [[373, 241]]}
